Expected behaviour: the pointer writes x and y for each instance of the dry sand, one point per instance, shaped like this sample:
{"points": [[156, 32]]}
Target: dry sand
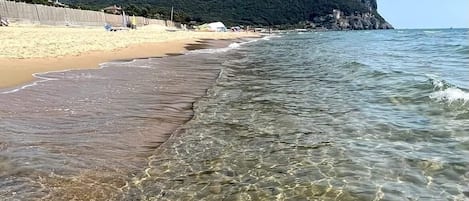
{"points": [[27, 50]]}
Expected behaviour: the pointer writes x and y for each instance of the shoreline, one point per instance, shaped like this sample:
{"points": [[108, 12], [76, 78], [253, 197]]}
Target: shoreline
{"points": [[150, 117], [16, 71]]}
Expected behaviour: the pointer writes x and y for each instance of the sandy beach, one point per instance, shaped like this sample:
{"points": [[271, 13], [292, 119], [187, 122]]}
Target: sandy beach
{"points": [[26, 50]]}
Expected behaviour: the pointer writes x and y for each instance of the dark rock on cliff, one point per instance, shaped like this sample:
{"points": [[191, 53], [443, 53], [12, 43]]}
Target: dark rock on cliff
{"points": [[357, 21]]}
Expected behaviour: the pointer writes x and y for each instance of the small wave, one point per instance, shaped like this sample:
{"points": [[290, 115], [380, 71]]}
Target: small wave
{"points": [[232, 46], [463, 49], [437, 83], [40, 79], [22, 87], [458, 48], [117, 63], [215, 50], [431, 32], [446, 92], [270, 37], [450, 96], [143, 66]]}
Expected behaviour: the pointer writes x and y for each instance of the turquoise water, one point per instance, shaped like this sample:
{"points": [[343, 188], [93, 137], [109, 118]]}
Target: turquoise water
{"points": [[326, 116], [359, 115]]}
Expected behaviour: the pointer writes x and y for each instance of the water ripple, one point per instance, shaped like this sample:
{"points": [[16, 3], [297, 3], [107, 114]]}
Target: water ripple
{"points": [[327, 117]]}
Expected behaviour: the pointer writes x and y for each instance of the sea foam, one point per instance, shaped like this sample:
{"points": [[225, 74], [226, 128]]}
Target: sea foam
{"points": [[268, 37], [232, 46], [215, 50], [450, 95], [40, 79], [446, 92]]}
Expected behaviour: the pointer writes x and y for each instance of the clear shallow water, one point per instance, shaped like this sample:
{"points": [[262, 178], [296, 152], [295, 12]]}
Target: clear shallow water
{"points": [[327, 116], [82, 135], [319, 116]]}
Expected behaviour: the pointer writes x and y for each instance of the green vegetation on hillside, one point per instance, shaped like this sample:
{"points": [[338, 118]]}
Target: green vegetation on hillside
{"points": [[233, 12], [34, 1]]}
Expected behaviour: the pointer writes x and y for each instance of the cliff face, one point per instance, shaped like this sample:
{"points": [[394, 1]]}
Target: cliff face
{"points": [[358, 20]]}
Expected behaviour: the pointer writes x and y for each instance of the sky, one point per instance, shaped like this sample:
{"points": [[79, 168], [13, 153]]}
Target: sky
{"points": [[407, 14]]}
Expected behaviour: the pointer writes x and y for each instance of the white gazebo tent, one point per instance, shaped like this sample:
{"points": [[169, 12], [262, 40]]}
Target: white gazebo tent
{"points": [[217, 27]]}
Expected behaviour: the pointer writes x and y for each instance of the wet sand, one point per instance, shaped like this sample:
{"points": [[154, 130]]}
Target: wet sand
{"points": [[30, 50], [87, 134]]}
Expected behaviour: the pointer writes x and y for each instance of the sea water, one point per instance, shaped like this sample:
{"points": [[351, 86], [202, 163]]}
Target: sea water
{"points": [[359, 115], [363, 115]]}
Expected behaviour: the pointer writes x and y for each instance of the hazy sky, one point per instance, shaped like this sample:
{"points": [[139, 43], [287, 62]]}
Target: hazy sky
{"points": [[425, 13]]}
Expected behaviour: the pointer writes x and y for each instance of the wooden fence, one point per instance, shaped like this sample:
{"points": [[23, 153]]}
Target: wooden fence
{"points": [[48, 15]]}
